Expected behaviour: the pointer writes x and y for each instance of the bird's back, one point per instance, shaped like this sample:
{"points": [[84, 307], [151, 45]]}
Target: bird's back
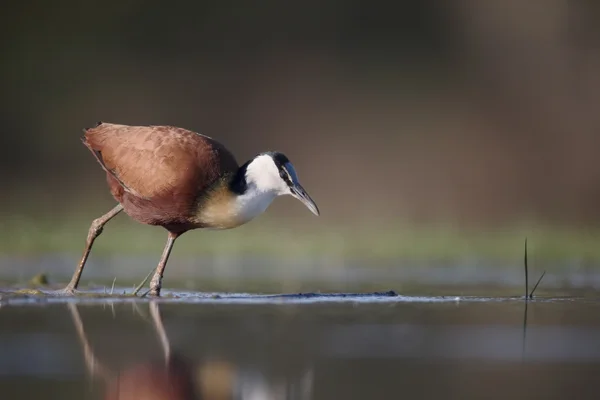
{"points": [[157, 172]]}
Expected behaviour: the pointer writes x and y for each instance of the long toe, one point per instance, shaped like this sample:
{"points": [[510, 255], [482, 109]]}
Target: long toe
{"points": [[68, 291]]}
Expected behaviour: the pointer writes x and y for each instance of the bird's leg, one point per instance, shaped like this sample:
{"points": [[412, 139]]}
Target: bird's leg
{"points": [[155, 283], [93, 233]]}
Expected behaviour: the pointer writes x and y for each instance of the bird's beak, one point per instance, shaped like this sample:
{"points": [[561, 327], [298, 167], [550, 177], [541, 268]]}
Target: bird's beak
{"points": [[299, 193]]}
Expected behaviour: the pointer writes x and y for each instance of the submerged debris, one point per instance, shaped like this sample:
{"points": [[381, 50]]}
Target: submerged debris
{"points": [[30, 292]]}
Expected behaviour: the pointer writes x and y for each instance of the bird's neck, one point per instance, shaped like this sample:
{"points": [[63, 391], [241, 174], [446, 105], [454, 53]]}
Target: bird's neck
{"points": [[233, 202]]}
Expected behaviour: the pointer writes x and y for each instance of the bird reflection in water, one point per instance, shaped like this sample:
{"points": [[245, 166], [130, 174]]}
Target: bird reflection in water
{"points": [[175, 378], [170, 378]]}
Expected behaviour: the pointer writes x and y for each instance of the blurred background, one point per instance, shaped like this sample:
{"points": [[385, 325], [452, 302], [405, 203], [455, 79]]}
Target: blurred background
{"points": [[426, 131]]}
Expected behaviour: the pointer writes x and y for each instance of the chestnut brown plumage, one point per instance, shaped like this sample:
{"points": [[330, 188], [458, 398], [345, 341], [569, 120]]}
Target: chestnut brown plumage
{"points": [[182, 180]]}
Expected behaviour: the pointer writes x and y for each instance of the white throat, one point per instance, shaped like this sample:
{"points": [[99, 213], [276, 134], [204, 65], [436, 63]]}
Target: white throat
{"points": [[252, 203]]}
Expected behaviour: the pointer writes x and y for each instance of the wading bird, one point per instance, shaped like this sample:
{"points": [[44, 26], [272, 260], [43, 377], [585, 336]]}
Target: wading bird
{"points": [[182, 180]]}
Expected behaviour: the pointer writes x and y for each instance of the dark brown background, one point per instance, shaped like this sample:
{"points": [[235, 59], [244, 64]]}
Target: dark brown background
{"points": [[466, 111]]}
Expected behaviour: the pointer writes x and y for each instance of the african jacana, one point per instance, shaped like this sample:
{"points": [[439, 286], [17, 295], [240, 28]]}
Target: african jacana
{"points": [[182, 180]]}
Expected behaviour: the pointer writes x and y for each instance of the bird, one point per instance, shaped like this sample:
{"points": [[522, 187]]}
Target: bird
{"points": [[181, 180]]}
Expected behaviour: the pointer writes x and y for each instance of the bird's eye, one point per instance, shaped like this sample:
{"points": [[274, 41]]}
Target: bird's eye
{"points": [[285, 176], [291, 173]]}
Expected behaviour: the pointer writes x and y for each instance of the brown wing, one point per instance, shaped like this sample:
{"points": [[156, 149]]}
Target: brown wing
{"points": [[157, 161]]}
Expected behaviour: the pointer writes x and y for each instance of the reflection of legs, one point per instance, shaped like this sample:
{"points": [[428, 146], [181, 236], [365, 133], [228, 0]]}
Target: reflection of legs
{"points": [[93, 233], [160, 329], [94, 368], [156, 282]]}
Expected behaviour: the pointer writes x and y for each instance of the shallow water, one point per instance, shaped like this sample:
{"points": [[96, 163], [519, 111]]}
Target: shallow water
{"points": [[244, 346]]}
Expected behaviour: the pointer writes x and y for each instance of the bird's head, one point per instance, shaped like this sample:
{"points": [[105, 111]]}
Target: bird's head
{"points": [[273, 174]]}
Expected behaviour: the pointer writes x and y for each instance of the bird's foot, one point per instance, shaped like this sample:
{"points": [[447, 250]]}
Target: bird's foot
{"points": [[155, 286], [153, 292], [68, 291]]}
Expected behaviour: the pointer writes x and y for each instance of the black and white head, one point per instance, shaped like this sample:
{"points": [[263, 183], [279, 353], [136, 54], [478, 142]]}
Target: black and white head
{"points": [[265, 177]]}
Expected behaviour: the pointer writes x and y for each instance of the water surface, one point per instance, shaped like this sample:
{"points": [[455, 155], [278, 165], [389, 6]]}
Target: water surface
{"points": [[243, 346]]}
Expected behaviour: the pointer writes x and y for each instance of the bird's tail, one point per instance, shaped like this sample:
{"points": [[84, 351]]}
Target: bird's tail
{"points": [[95, 126]]}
